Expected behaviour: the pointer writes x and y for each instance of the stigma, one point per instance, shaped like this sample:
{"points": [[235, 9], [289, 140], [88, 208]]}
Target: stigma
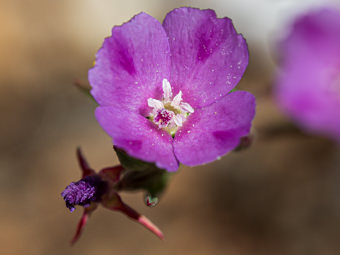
{"points": [[169, 113]]}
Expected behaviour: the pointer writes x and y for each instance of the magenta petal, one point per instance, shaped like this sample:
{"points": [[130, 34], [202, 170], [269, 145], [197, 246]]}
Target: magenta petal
{"points": [[138, 136], [212, 131], [131, 65], [314, 35], [208, 56]]}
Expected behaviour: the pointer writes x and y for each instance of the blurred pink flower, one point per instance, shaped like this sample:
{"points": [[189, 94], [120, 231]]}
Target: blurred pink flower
{"points": [[308, 86]]}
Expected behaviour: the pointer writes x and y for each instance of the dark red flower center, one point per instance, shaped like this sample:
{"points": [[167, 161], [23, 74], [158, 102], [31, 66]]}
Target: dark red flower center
{"points": [[163, 117]]}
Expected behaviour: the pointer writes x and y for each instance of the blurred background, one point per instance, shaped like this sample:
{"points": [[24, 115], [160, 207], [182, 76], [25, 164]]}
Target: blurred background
{"points": [[281, 196]]}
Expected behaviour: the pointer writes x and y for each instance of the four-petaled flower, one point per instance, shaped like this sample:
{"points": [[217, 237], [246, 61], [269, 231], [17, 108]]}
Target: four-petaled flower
{"points": [[308, 86], [94, 189], [164, 89]]}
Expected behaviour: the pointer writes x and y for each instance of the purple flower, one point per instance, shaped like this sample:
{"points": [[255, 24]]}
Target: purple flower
{"points": [[164, 89], [308, 87], [94, 189]]}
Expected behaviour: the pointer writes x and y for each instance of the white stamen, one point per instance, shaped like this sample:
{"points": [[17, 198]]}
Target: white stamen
{"points": [[169, 113], [167, 93], [187, 107], [177, 100], [156, 104], [178, 120], [183, 117]]}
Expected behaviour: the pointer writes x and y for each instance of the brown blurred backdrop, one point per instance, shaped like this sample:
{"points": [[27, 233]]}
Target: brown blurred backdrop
{"points": [[279, 197]]}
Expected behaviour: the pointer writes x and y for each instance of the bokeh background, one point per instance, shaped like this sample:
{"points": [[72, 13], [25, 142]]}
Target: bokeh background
{"points": [[281, 196]]}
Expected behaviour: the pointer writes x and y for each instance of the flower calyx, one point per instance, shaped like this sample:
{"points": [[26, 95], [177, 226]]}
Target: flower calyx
{"points": [[100, 189]]}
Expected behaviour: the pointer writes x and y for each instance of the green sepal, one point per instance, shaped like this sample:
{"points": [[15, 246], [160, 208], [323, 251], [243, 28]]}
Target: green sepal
{"points": [[141, 175], [154, 181], [85, 89], [132, 164], [233, 90]]}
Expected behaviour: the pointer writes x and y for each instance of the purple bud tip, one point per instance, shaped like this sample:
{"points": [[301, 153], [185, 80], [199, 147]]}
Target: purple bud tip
{"points": [[83, 192]]}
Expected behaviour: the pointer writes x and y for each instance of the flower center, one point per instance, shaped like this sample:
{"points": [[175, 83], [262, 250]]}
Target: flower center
{"points": [[163, 117], [169, 113]]}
